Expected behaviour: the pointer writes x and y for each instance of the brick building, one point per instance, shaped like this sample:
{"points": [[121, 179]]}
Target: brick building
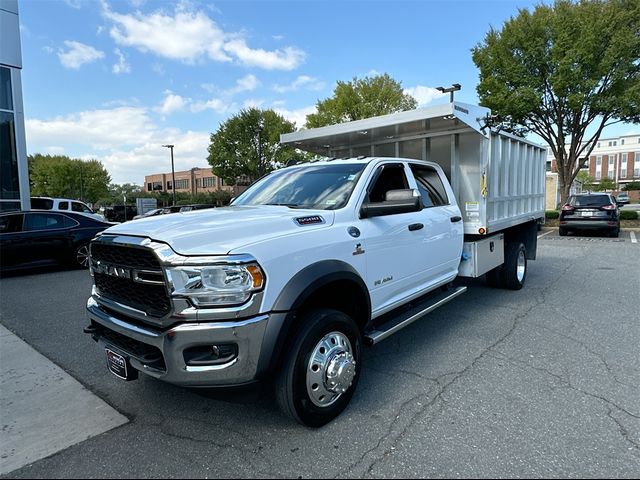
{"points": [[616, 158], [196, 180]]}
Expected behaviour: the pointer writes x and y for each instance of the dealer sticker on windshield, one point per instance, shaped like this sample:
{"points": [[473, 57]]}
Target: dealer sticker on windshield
{"points": [[472, 206]]}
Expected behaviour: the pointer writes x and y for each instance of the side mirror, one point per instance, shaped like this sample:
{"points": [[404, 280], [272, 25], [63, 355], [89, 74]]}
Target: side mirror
{"points": [[398, 201]]}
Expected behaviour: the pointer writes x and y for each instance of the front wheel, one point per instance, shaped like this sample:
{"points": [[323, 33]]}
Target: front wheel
{"points": [[321, 370]]}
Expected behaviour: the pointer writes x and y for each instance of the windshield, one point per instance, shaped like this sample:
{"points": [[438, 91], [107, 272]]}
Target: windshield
{"points": [[589, 200], [323, 187]]}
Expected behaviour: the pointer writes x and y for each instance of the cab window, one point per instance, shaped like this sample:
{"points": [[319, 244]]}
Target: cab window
{"points": [[80, 207], [391, 177], [43, 221], [11, 223], [430, 185], [63, 206]]}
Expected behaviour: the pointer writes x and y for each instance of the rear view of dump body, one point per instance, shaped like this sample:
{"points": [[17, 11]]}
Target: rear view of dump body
{"points": [[498, 178]]}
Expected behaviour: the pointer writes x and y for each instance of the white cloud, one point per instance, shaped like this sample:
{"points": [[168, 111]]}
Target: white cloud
{"points": [[285, 59], [422, 94], [172, 103], [78, 54], [125, 139], [191, 36], [218, 105], [244, 84], [303, 81], [299, 116], [122, 66], [74, 3]]}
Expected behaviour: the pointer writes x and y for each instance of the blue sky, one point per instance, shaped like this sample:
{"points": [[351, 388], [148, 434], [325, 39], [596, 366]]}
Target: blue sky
{"points": [[115, 79]]}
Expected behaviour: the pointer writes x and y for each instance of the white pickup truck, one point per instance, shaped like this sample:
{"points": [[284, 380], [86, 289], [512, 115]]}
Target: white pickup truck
{"points": [[315, 260]]}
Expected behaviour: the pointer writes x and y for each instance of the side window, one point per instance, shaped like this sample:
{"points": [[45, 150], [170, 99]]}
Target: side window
{"points": [[43, 221], [69, 222], [391, 177], [80, 207], [430, 186], [63, 206], [11, 223]]}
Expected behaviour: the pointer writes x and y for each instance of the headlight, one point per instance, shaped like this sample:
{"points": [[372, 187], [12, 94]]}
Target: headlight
{"points": [[215, 285]]}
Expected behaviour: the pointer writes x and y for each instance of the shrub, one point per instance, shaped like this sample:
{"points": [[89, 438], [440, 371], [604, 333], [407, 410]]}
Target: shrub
{"points": [[551, 214], [631, 186], [628, 215]]}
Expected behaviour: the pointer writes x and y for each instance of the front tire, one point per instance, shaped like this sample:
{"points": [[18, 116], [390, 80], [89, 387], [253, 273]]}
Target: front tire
{"points": [[321, 370]]}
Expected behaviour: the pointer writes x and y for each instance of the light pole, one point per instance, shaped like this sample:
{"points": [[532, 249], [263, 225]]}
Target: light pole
{"points": [[453, 88], [173, 174]]}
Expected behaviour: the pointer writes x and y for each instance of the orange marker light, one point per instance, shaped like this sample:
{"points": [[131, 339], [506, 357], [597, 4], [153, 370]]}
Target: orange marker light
{"points": [[256, 274], [482, 231]]}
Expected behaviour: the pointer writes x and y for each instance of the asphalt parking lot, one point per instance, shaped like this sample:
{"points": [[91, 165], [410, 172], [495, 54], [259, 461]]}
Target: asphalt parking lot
{"points": [[543, 382]]}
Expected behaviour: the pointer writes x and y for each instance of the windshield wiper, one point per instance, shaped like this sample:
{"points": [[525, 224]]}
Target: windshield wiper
{"points": [[290, 205]]}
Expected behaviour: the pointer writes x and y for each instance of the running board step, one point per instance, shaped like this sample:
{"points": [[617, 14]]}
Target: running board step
{"points": [[407, 318]]}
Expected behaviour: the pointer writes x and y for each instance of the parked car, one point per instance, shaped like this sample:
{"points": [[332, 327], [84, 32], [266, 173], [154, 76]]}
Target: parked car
{"points": [[150, 213], [623, 198], [592, 211], [40, 237], [64, 205], [118, 213]]}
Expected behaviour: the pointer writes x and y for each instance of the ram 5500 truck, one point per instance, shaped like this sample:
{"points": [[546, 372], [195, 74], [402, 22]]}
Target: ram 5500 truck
{"points": [[315, 260]]}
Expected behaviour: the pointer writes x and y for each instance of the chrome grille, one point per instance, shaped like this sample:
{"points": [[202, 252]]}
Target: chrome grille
{"points": [[149, 298]]}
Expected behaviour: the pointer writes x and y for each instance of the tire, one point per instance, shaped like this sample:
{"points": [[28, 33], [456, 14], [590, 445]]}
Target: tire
{"points": [[302, 385], [562, 232], [514, 269], [80, 257], [615, 233], [494, 277]]}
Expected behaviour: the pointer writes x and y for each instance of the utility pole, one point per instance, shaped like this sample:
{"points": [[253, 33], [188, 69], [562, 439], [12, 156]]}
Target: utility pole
{"points": [[173, 174], [258, 130]]}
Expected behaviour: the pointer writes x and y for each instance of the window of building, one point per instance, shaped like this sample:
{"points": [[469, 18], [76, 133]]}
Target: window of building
{"points": [[222, 182], [636, 165], [622, 141], [623, 166], [598, 160], [149, 187], [169, 186], [156, 186], [598, 174], [9, 184], [209, 182], [182, 184]]}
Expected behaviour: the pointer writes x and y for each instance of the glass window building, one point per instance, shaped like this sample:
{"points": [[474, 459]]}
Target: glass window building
{"points": [[14, 175]]}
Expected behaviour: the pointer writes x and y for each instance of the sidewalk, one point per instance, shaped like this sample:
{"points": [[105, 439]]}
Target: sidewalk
{"points": [[42, 408]]}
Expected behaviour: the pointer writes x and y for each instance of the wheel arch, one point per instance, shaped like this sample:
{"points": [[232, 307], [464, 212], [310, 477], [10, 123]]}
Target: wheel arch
{"points": [[330, 284]]}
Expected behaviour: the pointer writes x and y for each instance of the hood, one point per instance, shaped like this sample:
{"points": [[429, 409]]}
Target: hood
{"points": [[217, 231]]}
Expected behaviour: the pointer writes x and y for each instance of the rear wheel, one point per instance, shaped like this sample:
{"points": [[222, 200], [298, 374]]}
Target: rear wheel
{"points": [[514, 269], [615, 233], [563, 232], [322, 368]]}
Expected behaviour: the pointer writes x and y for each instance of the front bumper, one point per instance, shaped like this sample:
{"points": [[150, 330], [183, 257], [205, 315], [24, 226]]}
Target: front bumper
{"points": [[160, 353]]}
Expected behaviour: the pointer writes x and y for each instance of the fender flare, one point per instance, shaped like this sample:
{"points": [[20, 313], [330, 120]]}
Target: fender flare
{"points": [[294, 294]]}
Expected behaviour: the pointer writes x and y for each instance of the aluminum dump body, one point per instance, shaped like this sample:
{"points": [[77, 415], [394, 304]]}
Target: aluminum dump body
{"points": [[498, 178]]}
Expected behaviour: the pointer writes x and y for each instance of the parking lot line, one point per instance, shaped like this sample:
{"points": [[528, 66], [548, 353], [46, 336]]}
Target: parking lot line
{"points": [[546, 233], [633, 237]]}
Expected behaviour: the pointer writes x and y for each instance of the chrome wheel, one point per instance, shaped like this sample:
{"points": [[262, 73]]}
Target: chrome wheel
{"points": [[82, 256], [331, 369], [521, 266]]}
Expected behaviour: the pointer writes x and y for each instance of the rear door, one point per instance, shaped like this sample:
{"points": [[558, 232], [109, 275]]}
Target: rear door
{"points": [[442, 235], [47, 236]]}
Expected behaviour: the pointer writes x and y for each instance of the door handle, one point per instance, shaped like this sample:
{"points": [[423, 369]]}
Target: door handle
{"points": [[455, 219], [415, 226]]}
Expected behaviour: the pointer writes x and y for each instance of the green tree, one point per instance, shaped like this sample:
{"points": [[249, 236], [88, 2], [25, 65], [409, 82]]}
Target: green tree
{"points": [[631, 186], [585, 180], [605, 185], [61, 176], [361, 98], [561, 69], [239, 154]]}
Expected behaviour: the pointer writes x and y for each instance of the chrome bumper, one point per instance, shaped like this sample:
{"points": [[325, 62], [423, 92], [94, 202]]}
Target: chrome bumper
{"points": [[247, 334]]}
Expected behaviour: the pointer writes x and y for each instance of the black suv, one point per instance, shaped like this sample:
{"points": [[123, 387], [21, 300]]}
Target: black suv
{"points": [[590, 211]]}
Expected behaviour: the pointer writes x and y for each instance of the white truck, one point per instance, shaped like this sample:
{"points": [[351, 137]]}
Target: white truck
{"points": [[316, 260]]}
